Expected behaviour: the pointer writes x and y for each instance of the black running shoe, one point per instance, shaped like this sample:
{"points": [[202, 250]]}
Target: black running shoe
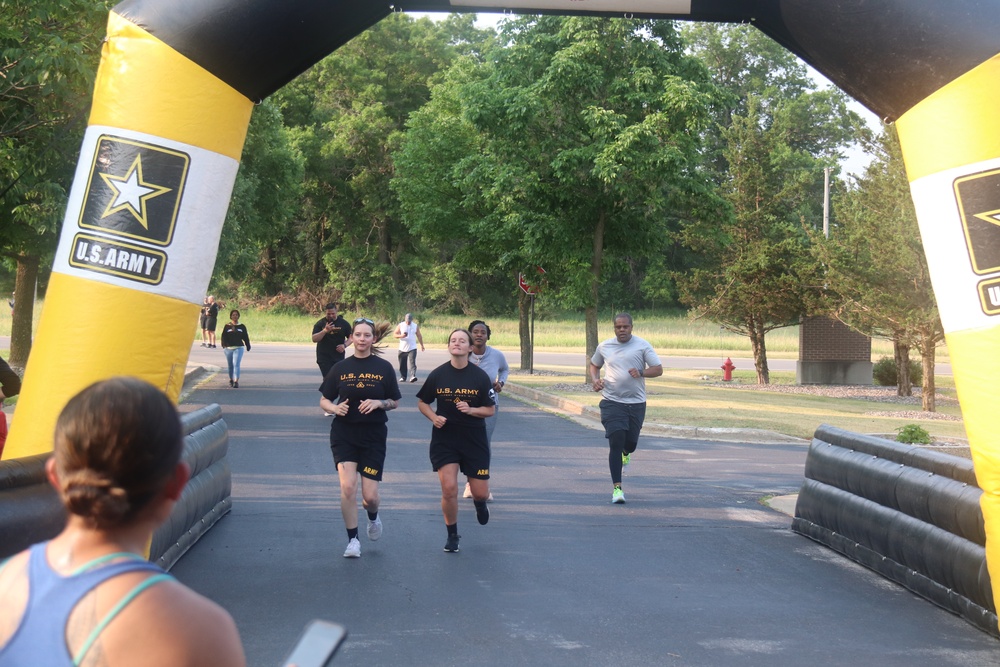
{"points": [[451, 546], [482, 513]]}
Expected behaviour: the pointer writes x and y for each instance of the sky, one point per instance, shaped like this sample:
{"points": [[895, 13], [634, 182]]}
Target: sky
{"points": [[854, 161]]}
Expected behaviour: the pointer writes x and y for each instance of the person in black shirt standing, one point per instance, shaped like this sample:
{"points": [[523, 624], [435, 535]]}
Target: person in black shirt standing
{"points": [[211, 320], [359, 391], [330, 335], [464, 395]]}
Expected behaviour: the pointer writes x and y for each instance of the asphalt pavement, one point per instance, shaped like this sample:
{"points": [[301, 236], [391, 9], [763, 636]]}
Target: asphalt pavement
{"points": [[695, 569]]}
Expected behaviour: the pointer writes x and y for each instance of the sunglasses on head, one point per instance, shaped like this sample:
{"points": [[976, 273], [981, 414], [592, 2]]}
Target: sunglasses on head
{"points": [[365, 320]]}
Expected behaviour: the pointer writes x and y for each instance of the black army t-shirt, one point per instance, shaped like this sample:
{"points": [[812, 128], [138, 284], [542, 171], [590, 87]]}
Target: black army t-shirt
{"points": [[355, 380], [447, 385]]}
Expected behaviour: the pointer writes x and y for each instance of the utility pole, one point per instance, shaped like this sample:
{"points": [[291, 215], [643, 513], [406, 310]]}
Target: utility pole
{"points": [[826, 202]]}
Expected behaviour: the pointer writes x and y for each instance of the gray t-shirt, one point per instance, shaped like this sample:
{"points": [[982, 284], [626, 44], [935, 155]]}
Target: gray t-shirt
{"points": [[617, 358], [493, 362]]}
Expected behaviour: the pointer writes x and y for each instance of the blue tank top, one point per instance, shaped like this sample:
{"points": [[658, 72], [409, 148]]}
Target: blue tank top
{"points": [[40, 638]]}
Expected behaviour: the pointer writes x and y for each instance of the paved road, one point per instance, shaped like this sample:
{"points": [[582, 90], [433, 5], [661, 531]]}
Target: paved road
{"points": [[694, 570]]}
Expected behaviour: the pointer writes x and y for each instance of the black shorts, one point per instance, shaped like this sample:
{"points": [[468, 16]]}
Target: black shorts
{"points": [[463, 445], [362, 443], [622, 417], [211, 323], [203, 321]]}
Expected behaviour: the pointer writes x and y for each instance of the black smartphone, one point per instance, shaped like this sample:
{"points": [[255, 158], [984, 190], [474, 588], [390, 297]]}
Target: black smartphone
{"points": [[316, 646]]}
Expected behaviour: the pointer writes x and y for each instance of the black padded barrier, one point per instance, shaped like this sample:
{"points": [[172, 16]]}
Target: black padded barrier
{"points": [[908, 513], [30, 510]]}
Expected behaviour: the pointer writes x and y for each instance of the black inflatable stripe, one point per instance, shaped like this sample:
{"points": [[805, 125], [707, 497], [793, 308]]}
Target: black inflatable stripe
{"points": [[949, 560], [30, 510], [939, 463], [255, 46], [887, 54], [935, 499], [909, 514]]}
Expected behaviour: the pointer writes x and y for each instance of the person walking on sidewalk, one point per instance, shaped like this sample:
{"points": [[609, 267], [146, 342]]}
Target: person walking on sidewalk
{"points": [[234, 338], [493, 362], [408, 333], [465, 398], [629, 360], [359, 391]]}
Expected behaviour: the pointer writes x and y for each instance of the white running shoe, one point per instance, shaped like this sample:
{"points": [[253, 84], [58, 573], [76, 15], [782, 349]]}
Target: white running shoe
{"points": [[353, 549], [375, 528], [468, 493]]}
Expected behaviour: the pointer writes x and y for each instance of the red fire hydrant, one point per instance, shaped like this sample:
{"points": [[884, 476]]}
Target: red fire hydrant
{"points": [[727, 370]]}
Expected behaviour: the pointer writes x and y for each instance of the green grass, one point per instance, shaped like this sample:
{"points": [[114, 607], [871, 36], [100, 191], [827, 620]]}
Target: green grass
{"points": [[683, 398]]}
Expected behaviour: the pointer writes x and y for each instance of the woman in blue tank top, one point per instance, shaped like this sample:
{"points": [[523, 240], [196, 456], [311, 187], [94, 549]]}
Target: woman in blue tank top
{"points": [[88, 596]]}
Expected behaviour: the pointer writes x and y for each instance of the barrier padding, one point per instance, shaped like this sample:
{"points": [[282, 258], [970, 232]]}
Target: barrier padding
{"points": [[910, 514], [30, 510], [207, 496]]}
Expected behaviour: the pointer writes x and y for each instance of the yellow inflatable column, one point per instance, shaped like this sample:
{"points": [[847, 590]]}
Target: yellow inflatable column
{"points": [[951, 146], [141, 232]]}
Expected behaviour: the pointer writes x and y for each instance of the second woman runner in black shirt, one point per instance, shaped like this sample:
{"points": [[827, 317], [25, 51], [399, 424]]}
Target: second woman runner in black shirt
{"points": [[464, 395]]}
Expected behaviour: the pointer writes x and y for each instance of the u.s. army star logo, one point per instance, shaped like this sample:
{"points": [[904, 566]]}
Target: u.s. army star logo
{"points": [[978, 198], [134, 190]]}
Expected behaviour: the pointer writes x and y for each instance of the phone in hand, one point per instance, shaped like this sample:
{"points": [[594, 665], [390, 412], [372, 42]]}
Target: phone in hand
{"points": [[315, 648]]}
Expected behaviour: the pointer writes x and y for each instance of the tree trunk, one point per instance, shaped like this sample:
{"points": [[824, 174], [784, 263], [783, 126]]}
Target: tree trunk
{"points": [[927, 352], [590, 312], [524, 328], [24, 304], [759, 352], [904, 385]]}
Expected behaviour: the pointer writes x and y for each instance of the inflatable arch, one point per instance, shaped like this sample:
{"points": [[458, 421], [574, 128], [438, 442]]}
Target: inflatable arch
{"points": [[178, 80]]}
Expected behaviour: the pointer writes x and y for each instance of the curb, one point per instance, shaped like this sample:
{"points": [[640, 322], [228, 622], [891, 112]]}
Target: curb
{"points": [[588, 416], [195, 375]]}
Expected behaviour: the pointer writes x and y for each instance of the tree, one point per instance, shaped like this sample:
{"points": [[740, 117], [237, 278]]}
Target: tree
{"points": [[256, 245], [578, 143], [49, 52], [877, 277], [349, 111], [754, 272]]}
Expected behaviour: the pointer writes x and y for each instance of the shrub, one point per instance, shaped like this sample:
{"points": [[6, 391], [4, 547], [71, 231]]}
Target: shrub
{"points": [[913, 434], [885, 373]]}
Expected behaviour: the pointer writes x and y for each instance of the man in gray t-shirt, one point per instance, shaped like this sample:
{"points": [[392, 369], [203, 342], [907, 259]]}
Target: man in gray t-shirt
{"points": [[629, 360]]}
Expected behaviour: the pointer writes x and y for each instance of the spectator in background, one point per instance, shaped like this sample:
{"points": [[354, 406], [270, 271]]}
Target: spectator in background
{"points": [[89, 596], [408, 333], [330, 335], [234, 339], [211, 320], [10, 385], [203, 322]]}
